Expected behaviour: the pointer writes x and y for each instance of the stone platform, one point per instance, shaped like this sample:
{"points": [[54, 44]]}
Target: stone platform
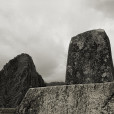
{"points": [[95, 98]]}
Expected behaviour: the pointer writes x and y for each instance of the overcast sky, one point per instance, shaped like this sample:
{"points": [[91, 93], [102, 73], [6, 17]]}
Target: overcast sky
{"points": [[43, 29]]}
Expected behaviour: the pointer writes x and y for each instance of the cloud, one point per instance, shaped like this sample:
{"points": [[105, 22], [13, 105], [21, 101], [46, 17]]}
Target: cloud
{"points": [[105, 10], [104, 6], [34, 28], [43, 29]]}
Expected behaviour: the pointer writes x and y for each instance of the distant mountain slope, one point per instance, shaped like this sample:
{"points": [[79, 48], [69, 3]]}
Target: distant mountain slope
{"points": [[55, 83], [16, 77]]}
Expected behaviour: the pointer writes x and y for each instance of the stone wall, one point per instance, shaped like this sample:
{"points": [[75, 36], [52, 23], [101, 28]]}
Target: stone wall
{"points": [[95, 98]]}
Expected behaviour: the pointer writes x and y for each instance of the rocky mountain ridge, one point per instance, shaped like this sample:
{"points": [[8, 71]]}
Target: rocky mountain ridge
{"points": [[16, 77]]}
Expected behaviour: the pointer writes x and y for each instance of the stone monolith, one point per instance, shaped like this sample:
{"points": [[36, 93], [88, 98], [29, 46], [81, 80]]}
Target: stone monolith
{"points": [[89, 58]]}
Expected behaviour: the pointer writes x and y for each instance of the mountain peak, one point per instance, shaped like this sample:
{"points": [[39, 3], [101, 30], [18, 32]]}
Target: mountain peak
{"points": [[17, 76]]}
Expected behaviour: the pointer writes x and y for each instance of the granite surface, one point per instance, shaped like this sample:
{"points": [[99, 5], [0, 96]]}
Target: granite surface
{"points": [[89, 58], [7, 110], [95, 98]]}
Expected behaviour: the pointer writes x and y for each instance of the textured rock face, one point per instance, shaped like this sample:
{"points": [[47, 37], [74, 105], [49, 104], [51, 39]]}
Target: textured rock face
{"points": [[7, 110], [16, 78], [95, 98], [89, 58]]}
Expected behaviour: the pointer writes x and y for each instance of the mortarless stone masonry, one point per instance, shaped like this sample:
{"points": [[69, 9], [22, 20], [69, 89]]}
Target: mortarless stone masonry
{"points": [[89, 58]]}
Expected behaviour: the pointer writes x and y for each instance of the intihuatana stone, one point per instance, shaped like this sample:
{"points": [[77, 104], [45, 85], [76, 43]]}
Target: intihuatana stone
{"points": [[17, 76], [89, 58]]}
